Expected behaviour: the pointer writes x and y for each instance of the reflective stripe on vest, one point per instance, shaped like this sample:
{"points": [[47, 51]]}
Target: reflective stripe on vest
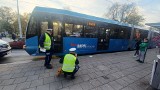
{"points": [[47, 42], [69, 63]]}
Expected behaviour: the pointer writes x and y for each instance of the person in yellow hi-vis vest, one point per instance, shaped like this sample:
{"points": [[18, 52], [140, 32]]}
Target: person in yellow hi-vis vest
{"points": [[70, 63], [46, 45]]}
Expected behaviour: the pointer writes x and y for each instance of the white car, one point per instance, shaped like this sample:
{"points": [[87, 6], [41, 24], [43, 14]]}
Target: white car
{"points": [[4, 48]]}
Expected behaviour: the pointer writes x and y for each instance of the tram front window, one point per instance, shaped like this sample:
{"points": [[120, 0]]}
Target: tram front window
{"points": [[31, 30], [44, 26]]}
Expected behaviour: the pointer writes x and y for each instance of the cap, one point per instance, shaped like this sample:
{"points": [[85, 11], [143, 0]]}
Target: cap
{"points": [[49, 29], [72, 49]]}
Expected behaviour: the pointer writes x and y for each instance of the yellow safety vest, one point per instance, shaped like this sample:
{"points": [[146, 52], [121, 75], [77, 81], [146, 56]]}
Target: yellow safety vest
{"points": [[47, 42], [69, 63]]}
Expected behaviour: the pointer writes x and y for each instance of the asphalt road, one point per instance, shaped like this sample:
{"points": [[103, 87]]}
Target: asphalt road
{"points": [[16, 55]]}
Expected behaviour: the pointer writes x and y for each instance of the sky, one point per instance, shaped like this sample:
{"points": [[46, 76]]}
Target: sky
{"points": [[150, 9]]}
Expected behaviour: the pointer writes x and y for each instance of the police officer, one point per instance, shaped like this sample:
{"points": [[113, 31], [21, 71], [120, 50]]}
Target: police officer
{"points": [[70, 63], [46, 43]]}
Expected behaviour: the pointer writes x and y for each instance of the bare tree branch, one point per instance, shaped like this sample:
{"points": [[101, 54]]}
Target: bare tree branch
{"points": [[127, 13]]}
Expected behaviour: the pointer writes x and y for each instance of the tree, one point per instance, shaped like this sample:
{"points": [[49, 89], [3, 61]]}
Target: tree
{"points": [[7, 17], [7, 14], [5, 26], [9, 21], [113, 12], [127, 13], [24, 21]]}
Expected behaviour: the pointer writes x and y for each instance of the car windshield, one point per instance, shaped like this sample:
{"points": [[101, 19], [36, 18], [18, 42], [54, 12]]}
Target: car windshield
{"points": [[2, 42]]}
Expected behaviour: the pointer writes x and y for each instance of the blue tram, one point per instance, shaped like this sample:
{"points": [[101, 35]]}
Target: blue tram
{"points": [[88, 34]]}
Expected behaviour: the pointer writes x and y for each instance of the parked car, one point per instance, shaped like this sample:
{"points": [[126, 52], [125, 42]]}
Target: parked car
{"points": [[4, 48], [18, 44]]}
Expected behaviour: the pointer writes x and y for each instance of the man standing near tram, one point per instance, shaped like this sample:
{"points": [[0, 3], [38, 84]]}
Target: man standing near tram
{"points": [[46, 45]]}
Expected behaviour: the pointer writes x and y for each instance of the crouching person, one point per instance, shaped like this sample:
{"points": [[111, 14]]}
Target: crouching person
{"points": [[70, 63]]}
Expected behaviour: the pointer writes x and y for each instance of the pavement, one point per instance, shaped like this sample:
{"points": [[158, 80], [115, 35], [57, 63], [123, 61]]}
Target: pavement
{"points": [[107, 71], [16, 55]]}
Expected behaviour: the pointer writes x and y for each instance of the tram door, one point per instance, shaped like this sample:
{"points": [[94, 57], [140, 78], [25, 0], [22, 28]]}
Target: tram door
{"points": [[103, 39], [57, 37]]}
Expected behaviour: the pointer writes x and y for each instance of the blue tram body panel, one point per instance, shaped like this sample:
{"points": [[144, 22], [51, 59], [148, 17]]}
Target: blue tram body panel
{"points": [[125, 44], [32, 45], [118, 45], [133, 43], [83, 45]]}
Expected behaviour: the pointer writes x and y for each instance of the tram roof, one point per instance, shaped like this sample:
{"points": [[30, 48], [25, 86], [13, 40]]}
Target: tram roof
{"points": [[142, 28], [75, 14], [155, 25]]}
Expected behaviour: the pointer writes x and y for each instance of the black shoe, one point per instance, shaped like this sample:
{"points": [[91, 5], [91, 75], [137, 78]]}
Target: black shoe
{"points": [[72, 77], [49, 66], [141, 61], [138, 60], [65, 75]]}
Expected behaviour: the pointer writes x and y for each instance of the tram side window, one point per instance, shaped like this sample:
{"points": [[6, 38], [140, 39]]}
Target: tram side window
{"points": [[128, 31], [144, 34], [44, 26], [77, 30], [113, 33], [121, 34], [57, 30], [107, 33], [102, 33], [45, 22], [73, 30], [32, 27], [68, 29], [137, 34], [90, 32]]}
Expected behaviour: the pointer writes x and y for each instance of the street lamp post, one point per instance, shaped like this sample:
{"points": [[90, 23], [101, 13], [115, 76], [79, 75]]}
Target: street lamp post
{"points": [[19, 21]]}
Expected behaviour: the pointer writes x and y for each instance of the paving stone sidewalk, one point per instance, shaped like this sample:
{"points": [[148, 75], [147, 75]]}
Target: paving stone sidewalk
{"points": [[107, 71]]}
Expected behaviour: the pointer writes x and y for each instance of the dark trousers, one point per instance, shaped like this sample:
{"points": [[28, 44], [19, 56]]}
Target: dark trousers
{"points": [[48, 57], [137, 52], [72, 73]]}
